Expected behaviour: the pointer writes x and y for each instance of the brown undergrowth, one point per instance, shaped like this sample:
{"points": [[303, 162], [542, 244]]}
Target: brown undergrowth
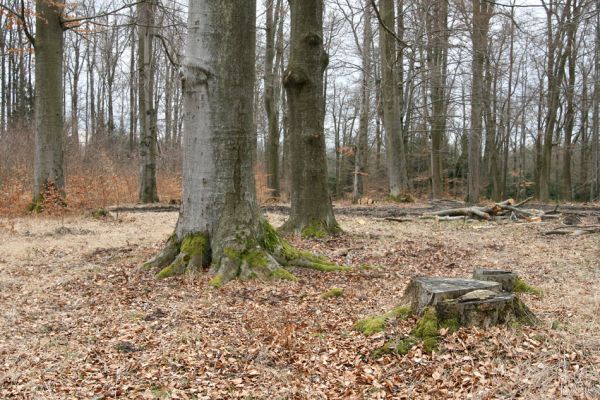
{"points": [[79, 319]]}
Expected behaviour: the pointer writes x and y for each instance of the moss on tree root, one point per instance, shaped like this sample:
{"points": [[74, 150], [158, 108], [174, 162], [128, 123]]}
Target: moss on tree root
{"points": [[263, 256]]}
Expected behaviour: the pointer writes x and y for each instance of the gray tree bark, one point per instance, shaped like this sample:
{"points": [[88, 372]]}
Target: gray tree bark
{"points": [[49, 118], [311, 209], [437, 31], [361, 160], [271, 96], [482, 12], [148, 131], [394, 142], [219, 222]]}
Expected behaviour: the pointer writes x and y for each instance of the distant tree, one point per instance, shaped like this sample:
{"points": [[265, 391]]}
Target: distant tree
{"points": [[147, 111], [49, 89]]}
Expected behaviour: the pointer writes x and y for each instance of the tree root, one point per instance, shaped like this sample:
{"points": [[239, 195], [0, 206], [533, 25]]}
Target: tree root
{"points": [[264, 255]]}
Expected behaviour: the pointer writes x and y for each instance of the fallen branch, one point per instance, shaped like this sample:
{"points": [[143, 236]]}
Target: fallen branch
{"points": [[574, 230]]}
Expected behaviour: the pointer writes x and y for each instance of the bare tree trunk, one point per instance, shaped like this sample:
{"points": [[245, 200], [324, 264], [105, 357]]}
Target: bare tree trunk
{"points": [[482, 12], [395, 152], [595, 175], [556, 60], [148, 130], [271, 96], [361, 160], [311, 209], [49, 122], [571, 51], [219, 222], [437, 30], [132, 94]]}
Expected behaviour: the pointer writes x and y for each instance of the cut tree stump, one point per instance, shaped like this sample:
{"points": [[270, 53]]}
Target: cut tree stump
{"points": [[469, 302], [484, 311], [425, 291], [505, 278]]}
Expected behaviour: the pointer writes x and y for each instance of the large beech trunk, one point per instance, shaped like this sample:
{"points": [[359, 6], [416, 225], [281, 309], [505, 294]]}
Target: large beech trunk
{"points": [[49, 120], [311, 210], [219, 222]]}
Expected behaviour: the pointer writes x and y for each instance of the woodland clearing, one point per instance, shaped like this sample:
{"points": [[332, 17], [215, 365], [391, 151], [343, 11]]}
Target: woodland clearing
{"points": [[80, 320]]}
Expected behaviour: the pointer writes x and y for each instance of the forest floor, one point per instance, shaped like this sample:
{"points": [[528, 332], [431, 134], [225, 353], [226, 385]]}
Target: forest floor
{"points": [[79, 320]]}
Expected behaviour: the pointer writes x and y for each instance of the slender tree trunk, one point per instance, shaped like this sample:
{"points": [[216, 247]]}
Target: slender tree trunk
{"points": [[556, 60], [49, 119], [3, 86], [395, 153], [482, 12], [132, 94], [148, 130], [273, 13], [437, 28], [361, 160], [595, 167], [566, 187], [311, 209]]}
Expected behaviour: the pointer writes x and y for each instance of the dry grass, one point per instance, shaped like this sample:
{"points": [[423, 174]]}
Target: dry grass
{"points": [[78, 320]]}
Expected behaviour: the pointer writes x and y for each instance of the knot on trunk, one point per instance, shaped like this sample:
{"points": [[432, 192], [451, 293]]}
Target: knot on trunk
{"points": [[294, 77], [313, 39]]}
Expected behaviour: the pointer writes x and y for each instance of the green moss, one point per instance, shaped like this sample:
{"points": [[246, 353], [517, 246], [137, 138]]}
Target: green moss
{"points": [[333, 292], [283, 274], [256, 258], [375, 324], [371, 325], [315, 230], [100, 213], [427, 325], [399, 312], [427, 328], [195, 244], [319, 230], [452, 324], [405, 345], [430, 343], [35, 207], [270, 240], [216, 282], [523, 287], [167, 272], [232, 254], [383, 350]]}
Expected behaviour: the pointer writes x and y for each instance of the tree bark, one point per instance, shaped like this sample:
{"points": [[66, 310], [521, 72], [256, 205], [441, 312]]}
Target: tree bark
{"points": [[482, 12], [437, 29], [49, 117], [311, 209], [148, 130], [394, 142], [571, 50], [361, 159], [219, 222], [271, 98]]}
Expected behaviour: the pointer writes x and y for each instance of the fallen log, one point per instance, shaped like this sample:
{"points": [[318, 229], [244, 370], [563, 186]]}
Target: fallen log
{"points": [[505, 208]]}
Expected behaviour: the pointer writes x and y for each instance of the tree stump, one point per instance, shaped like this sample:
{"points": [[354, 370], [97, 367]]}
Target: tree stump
{"points": [[505, 278], [468, 302], [429, 291]]}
